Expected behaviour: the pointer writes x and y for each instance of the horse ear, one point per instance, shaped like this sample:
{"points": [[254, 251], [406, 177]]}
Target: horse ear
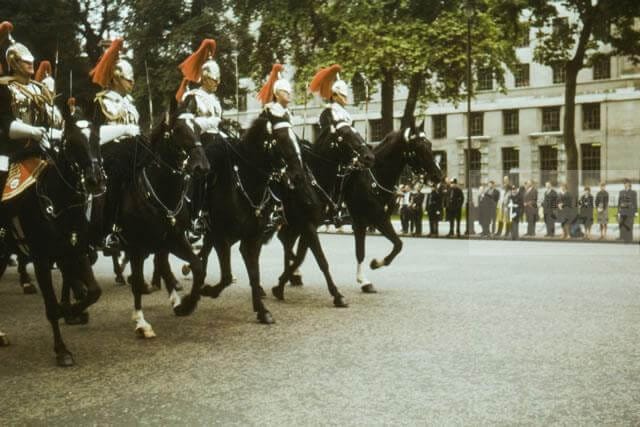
{"points": [[421, 126]]}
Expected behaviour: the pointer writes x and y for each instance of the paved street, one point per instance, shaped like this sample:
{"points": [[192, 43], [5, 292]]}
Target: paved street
{"points": [[461, 332]]}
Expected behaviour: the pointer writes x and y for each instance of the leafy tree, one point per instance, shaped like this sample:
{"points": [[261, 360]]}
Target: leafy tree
{"points": [[610, 23]]}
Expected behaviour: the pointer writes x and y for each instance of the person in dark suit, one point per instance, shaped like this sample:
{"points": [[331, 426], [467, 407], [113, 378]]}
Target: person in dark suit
{"points": [[405, 215], [530, 200], [416, 204], [434, 209], [515, 206], [549, 209], [444, 192], [493, 195], [484, 207], [566, 211], [454, 211], [627, 211], [602, 208], [585, 205]]}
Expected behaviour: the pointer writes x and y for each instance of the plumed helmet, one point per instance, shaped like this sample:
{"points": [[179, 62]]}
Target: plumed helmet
{"points": [[274, 83], [111, 66], [16, 51], [211, 69], [340, 87], [327, 81], [123, 69], [199, 64]]}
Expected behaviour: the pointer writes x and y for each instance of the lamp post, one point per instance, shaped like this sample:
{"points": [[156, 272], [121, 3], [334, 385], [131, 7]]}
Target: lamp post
{"points": [[235, 61], [468, 11]]}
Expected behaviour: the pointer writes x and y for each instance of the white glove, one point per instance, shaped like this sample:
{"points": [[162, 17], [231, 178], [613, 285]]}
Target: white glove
{"points": [[21, 130], [110, 132], [207, 123], [54, 134]]}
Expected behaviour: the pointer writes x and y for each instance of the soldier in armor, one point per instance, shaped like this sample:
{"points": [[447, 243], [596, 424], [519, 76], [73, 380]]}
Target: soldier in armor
{"points": [[26, 109], [275, 96], [202, 103], [334, 91], [117, 118]]}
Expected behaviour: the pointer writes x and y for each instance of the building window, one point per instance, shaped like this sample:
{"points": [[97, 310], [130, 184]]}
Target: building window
{"points": [[602, 68], [521, 75], [242, 101], [560, 26], [375, 127], [523, 35], [439, 126], [559, 72], [511, 164], [550, 119], [591, 116], [510, 123], [485, 79], [602, 29], [548, 164], [590, 164], [475, 167], [477, 124], [441, 160]]}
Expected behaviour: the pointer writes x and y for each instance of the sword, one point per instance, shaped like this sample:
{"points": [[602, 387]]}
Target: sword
{"points": [[366, 105], [53, 97], [146, 71], [304, 116]]}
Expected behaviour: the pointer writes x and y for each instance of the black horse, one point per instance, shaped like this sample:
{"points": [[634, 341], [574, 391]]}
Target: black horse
{"points": [[370, 195], [152, 215], [242, 203], [48, 221], [331, 160]]}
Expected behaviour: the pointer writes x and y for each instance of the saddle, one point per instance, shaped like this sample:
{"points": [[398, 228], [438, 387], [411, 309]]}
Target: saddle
{"points": [[22, 175]]}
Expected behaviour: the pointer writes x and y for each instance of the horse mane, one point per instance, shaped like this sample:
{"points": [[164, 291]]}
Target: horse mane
{"points": [[388, 144], [256, 133]]}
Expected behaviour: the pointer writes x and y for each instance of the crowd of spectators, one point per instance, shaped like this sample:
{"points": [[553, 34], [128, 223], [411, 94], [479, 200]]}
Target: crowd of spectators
{"points": [[499, 212]]}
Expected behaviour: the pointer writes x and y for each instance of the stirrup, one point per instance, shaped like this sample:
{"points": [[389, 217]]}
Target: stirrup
{"points": [[112, 242]]}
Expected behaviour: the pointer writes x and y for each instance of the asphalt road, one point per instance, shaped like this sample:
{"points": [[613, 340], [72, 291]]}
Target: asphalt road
{"points": [[479, 332]]}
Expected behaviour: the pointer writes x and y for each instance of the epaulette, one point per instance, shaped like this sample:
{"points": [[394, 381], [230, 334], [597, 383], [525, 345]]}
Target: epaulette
{"points": [[5, 80]]}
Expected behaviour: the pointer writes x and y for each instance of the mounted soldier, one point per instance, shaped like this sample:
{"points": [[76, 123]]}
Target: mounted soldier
{"points": [[275, 96], [334, 91], [116, 117], [27, 118], [202, 103]]}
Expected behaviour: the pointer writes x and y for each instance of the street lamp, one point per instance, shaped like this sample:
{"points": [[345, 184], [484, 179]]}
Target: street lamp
{"points": [[235, 60], [468, 11]]}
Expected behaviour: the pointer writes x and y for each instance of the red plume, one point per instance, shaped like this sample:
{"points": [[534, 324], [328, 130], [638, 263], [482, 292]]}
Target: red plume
{"points": [[44, 70], [103, 71], [323, 80], [71, 102], [181, 90], [192, 66], [266, 93], [5, 28]]}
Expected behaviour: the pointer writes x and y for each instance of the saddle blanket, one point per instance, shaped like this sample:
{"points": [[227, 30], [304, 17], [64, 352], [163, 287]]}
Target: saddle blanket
{"points": [[22, 175]]}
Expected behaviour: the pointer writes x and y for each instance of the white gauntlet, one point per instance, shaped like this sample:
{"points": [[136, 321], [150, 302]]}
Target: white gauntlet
{"points": [[110, 132], [21, 130]]}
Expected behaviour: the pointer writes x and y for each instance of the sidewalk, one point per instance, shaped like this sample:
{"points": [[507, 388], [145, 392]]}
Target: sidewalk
{"points": [[613, 232]]}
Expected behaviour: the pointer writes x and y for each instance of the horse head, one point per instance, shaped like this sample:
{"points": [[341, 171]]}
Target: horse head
{"points": [[350, 145], [418, 153], [80, 148], [184, 132]]}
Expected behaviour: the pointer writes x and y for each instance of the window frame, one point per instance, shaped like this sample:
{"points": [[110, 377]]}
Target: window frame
{"points": [[513, 130], [521, 75], [551, 127]]}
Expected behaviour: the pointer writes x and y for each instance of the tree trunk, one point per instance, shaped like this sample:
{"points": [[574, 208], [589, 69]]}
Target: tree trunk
{"points": [[387, 101], [570, 146], [412, 100]]}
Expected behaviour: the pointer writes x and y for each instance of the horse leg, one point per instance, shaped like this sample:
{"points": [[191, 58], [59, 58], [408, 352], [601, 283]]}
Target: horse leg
{"points": [[386, 228], [250, 250], [182, 249], [288, 238], [170, 280], [223, 250], [310, 234], [296, 276], [143, 328], [118, 269], [42, 269], [360, 233], [156, 279], [25, 278]]}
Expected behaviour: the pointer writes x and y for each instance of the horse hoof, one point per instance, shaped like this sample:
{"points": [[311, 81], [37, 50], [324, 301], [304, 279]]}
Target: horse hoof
{"points": [[278, 292], [368, 289], [145, 332], [157, 284], [64, 359], [4, 340], [186, 307], [263, 294], [81, 319], [186, 269], [266, 318], [375, 264], [119, 281], [296, 280], [211, 291], [340, 302], [29, 289]]}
